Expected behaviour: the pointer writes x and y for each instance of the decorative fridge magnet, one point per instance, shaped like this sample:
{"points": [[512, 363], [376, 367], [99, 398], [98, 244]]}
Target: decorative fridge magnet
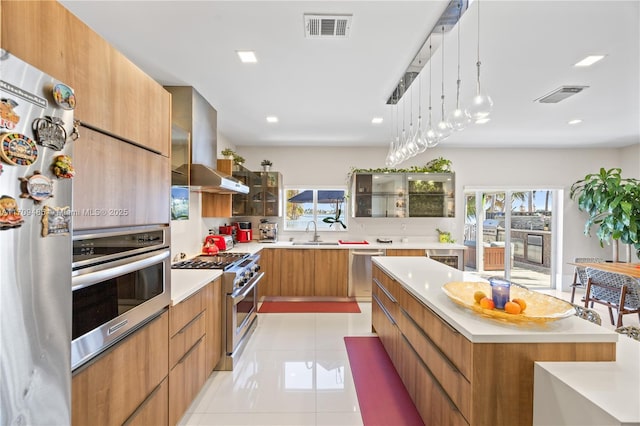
{"points": [[75, 133], [56, 220], [64, 97], [18, 150], [10, 216], [37, 187], [50, 132], [62, 167], [8, 117]]}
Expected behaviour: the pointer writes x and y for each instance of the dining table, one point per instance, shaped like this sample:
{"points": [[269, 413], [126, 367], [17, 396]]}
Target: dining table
{"points": [[626, 268]]}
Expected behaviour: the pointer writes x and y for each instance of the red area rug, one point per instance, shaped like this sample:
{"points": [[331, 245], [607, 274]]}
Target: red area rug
{"points": [[382, 397], [269, 307]]}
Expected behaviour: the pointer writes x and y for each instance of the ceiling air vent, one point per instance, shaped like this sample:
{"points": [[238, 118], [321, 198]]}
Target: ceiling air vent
{"points": [[563, 92], [327, 26]]}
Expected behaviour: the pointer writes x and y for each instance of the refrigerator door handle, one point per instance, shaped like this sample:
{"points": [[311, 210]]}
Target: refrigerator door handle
{"points": [[85, 280]]}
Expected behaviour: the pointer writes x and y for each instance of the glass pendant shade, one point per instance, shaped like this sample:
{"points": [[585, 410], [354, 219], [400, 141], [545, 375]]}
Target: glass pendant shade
{"points": [[418, 138], [443, 130], [458, 119], [479, 107]]}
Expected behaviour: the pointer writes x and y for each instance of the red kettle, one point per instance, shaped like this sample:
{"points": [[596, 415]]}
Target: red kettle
{"points": [[209, 247]]}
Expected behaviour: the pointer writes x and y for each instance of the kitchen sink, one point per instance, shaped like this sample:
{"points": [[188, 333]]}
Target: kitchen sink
{"points": [[315, 243]]}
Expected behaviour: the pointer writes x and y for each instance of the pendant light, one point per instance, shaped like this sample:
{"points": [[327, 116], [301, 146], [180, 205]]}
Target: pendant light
{"points": [[459, 118], [391, 155], [481, 104], [430, 136], [412, 147], [418, 137], [443, 129]]}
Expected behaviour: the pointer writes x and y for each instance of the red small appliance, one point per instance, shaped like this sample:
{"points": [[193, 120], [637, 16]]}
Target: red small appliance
{"points": [[209, 247], [229, 230], [243, 232]]}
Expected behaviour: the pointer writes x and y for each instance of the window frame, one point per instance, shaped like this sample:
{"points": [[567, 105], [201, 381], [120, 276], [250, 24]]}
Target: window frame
{"points": [[320, 225]]}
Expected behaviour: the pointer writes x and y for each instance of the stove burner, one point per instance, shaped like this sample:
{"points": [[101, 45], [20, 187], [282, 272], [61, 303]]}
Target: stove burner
{"points": [[220, 261]]}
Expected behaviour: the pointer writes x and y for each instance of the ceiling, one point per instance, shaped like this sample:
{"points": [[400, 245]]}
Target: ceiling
{"points": [[326, 91]]}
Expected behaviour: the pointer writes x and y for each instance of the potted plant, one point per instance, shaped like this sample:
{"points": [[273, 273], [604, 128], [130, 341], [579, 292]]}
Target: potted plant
{"points": [[228, 153], [237, 159], [445, 236], [266, 165], [613, 205]]}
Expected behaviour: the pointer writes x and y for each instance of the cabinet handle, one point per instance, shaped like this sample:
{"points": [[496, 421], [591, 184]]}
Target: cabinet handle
{"points": [[435, 382], [384, 310], [133, 415], [385, 291], [183, 329], [193, 348]]}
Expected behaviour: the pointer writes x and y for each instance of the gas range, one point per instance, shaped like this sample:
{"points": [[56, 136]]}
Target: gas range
{"points": [[222, 261]]}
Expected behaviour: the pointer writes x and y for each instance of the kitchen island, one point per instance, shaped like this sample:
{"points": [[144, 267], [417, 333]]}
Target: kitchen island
{"points": [[461, 368]]}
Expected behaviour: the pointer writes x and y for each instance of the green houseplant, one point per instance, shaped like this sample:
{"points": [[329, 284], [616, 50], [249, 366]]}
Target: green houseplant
{"points": [[613, 205]]}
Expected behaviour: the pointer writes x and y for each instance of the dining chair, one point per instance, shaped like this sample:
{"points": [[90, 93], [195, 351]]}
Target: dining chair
{"points": [[579, 274], [632, 331], [615, 291], [587, 314]]}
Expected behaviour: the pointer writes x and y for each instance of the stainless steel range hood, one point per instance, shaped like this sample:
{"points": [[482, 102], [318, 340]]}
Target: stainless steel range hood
{"points": [[206, 179], [191, 112]]}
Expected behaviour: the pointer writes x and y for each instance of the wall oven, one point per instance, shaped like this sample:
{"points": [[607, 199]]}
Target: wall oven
{"points": [[120, 281]]}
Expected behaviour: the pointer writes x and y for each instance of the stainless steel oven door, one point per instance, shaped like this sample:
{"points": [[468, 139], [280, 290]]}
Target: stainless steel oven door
{"points": [[242, 310], [112, 299]]}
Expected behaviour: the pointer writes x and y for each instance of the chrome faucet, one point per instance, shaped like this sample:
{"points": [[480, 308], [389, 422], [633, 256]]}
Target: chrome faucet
{"points": [[316, 237]]}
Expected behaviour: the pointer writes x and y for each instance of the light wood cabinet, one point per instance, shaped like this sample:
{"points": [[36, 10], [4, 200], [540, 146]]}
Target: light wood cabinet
{"points": [[297, 272], [114, 387], [213, 299], [187, 348], [269, 264], [218, 205], [454, 381], [154, 410], [132, 188], [331, 272], [405, 252], [113, 94]]}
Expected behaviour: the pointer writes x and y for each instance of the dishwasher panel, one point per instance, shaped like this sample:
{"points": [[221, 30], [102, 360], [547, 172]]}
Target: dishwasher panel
{"points": [[360, 273]]}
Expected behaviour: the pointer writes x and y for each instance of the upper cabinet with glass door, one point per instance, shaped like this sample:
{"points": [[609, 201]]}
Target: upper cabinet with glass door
{"points": [[403, 195], [265, 193]]}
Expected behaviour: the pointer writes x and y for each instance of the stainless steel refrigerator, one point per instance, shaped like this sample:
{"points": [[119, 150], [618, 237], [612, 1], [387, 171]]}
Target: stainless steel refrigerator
{"points": [[36, 136]]}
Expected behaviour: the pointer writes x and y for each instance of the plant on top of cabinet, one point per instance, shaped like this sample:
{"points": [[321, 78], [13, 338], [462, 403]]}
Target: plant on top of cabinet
{"points": [[438, 165], [228, 153], [266, 165]]}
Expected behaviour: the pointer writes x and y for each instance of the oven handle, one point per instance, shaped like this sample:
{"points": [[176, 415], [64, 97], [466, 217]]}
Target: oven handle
{"points": [[248, 289], [143, 261]]}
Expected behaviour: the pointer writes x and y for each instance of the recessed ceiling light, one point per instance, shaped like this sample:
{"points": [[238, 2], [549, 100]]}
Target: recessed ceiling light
{"points": [[272, 119], [482, 120], [576, 121], [247, 56], [377, 120], [588, 61]]}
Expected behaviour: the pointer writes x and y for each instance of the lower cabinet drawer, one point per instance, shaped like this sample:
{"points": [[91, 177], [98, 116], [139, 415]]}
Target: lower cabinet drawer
{"points": [[184, 339], [184, 312], [154, 410], [456, 386], [429, 398], [185, 380]]}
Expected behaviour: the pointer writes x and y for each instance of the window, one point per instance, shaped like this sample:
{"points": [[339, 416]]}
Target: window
{"points": [[324, 206]]}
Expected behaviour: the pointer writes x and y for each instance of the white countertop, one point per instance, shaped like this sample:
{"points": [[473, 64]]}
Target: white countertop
{"points": [[424, 278], [185, 282], [613, 387], [371, 245]]}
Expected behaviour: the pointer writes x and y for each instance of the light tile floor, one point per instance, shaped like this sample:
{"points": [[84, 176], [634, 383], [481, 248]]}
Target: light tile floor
{"points": [[295, 371]]}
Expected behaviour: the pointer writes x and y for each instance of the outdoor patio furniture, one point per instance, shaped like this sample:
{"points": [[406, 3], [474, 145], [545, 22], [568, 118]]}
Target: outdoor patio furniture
{"points": [[493, 255], [579, 274], [615, 291], [630, 330], [587, 314]]}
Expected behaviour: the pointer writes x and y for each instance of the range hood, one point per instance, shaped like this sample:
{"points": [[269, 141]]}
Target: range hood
{"points": [[206, 179], [191, 111]]}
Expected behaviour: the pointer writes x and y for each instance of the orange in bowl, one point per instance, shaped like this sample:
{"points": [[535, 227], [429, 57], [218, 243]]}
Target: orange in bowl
{"points": [[487, 303], [522, 303], [479, 295], [512, 308]]}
